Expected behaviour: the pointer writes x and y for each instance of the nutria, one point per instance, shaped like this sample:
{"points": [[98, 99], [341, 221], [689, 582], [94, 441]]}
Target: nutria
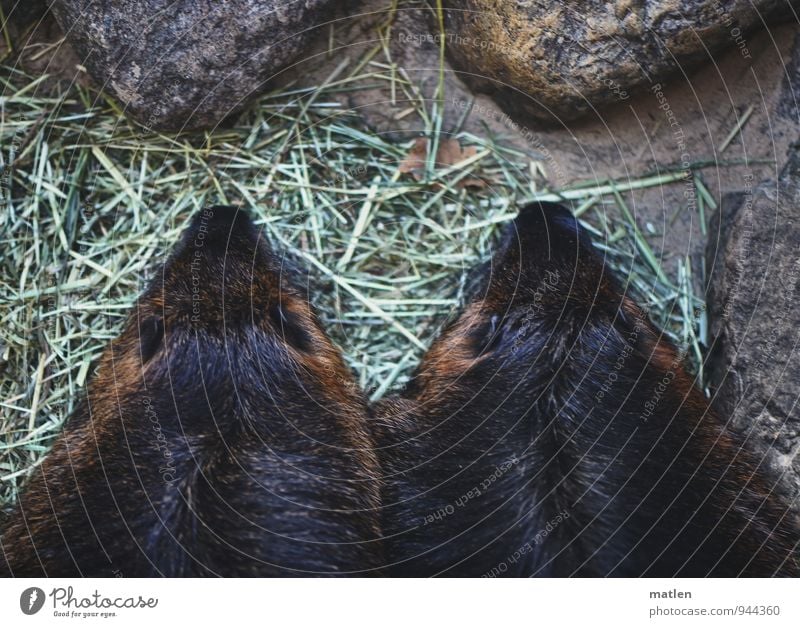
{"points": [[221, 435], [552, 430]]}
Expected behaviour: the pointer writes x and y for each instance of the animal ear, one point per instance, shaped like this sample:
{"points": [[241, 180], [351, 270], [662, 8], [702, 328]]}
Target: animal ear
{"points": [[151, 335], [291, 328]]}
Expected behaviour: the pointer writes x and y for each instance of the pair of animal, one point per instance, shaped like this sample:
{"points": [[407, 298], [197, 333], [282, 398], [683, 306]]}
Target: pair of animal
{"points": [[550, 430]]}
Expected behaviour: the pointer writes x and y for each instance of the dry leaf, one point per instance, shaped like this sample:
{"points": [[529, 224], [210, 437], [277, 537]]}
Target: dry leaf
{"points": [[448, 153]]}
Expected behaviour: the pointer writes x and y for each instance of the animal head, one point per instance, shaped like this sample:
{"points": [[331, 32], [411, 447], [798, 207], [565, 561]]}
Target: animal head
{"points": [[220, 323], [544, 274], [221, 433]]}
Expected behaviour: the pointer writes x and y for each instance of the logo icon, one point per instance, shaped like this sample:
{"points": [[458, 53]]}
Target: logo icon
{"points": [[31, 600]]}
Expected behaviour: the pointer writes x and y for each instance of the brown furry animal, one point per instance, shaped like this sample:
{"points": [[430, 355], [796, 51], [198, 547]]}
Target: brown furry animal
{"points": [[221, 435], [552, 430]]}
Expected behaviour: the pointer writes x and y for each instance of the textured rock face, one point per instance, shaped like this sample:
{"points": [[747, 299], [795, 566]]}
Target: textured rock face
{"points": [[176, 64], [559, 60], [754, 300]]}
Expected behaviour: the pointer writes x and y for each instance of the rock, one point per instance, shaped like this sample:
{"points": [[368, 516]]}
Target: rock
{"points": [[187, 64], [788, 107], [754, 311], [557, 61]]}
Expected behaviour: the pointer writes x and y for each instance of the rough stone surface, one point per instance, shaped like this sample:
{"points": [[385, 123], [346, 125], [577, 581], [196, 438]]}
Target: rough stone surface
{"points": [[754, 298], [181, 64], [557, 61]]}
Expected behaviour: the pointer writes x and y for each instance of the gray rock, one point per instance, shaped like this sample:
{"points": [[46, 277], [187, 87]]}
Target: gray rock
{"points": [[754, 312], [183, 64], [560, 60], [788, 105]]}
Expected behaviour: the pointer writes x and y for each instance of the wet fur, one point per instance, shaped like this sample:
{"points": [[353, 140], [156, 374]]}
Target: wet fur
{"points": [[220, 436], [511, 453]]}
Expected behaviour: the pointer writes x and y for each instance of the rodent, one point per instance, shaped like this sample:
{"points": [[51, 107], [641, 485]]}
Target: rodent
{"points": [[552, 430], [221, 435]]}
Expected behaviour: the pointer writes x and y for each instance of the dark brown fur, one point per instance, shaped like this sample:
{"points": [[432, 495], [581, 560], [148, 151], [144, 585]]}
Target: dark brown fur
{"points": [[512, 452], [552, 430], [221, 435]]}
